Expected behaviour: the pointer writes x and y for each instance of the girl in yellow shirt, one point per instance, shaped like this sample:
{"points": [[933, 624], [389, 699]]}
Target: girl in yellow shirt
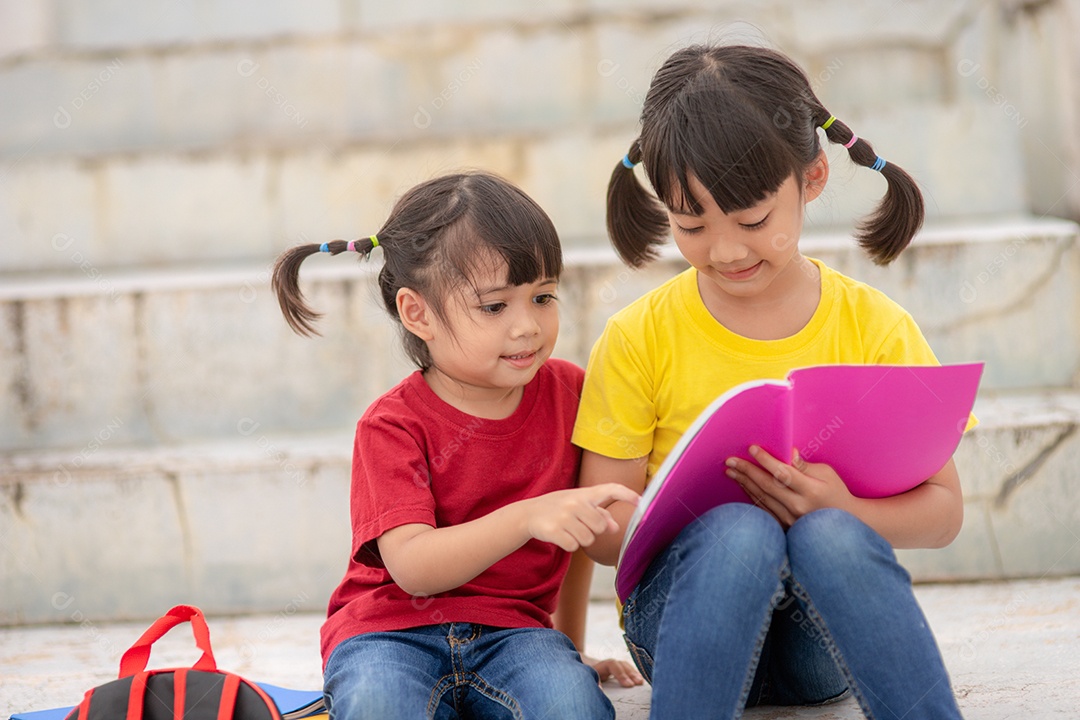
{"points": [[797, 599]]}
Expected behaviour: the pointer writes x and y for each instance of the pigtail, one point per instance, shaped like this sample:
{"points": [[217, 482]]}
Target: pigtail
{"points": [[285, 280], [891, 226], [636, 221]]}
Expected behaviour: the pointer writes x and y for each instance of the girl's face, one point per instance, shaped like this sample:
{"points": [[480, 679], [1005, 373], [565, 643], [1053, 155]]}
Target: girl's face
{"points": [[751, 253], [495, 337]]}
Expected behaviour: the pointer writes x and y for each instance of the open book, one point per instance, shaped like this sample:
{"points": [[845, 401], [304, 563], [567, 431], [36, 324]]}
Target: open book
{"points": [[883, 428]]}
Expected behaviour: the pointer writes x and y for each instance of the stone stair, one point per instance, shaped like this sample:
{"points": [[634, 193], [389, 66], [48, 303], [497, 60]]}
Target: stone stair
{"points": [[166, 438]]}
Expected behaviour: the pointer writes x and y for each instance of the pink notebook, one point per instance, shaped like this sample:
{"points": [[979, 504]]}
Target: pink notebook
{"points": [[883, 428]]}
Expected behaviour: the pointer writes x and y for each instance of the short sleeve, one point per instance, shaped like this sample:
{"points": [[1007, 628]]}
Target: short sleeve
{"points": [[904, 345], [390, 483], [617, 415]]}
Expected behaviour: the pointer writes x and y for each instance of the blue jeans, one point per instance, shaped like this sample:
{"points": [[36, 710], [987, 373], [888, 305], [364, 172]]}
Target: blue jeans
{"points": [[736, 613], [462, 670]]}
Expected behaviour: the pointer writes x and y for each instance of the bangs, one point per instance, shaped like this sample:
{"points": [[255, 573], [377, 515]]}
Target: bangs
{"points": [[716, 133], [502, 224]]}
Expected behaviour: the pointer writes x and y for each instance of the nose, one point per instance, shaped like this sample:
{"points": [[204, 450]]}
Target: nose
{"points": [[723, 251], [524, 323]]}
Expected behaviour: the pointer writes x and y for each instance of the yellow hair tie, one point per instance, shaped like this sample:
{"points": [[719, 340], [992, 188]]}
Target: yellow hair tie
{"points": [[832, 118], [374, 242]]}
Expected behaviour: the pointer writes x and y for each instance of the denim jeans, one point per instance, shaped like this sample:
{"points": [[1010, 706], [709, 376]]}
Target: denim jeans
{"points": [[736, 613], [462, 670]]}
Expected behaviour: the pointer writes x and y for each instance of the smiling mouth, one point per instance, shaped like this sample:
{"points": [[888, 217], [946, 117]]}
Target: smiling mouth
{"points": [[520, 358], [743, 273]]}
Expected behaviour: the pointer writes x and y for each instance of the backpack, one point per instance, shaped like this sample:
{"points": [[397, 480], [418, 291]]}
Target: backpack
{"points": [[201, 692]]}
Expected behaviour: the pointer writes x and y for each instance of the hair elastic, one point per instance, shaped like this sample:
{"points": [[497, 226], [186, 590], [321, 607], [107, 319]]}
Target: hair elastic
{"points": [[374, 242], [325, 247], [351, 247], [827, 123], [879, 164], [851, 142], [626, 162]]}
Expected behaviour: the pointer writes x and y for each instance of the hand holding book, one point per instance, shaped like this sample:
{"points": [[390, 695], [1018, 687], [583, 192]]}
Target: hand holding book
{"points": [[788, 491]]}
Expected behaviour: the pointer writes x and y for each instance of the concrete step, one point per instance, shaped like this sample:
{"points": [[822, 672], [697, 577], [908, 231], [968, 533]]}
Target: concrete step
{"points": [[259, 522], [1006, 291], [166, 356], [1021, 511]]}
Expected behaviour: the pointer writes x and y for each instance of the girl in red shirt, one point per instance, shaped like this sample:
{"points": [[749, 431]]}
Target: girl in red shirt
{"points": [[464, 503]]}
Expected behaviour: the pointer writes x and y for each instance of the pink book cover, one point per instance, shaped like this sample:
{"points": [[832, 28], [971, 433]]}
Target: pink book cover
{"points": [[883, 428]]}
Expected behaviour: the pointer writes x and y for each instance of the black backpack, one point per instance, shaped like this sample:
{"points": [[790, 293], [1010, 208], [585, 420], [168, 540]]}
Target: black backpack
{"points": [[201, 692]]}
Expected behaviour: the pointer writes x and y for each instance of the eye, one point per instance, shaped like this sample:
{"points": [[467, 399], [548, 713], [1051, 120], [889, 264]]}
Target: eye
{"points": [[754, 226], [545, 299], [689, 231], [493, 308]]}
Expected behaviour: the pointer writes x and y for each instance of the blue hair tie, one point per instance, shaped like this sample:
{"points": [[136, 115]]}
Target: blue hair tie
{"points": [[879, 164], [626, 162], [325, 247]]}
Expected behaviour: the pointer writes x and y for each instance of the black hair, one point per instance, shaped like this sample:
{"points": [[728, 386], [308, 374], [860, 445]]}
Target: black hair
{"points": [[742, 120], [436, 235]]}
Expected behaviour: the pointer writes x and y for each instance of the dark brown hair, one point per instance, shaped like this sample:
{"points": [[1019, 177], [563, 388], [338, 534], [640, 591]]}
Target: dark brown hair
{"points": [[435, 236], [742, 120]]}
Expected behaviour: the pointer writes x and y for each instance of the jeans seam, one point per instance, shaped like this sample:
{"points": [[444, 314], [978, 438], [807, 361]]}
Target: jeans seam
{"points": [[812, 611], [755, 658], [446, 682], [638, 655], [456, 664], [491, 692]]}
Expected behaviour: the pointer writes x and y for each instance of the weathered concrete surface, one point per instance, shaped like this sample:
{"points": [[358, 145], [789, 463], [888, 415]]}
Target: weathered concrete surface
{"points": [[1010, 649]]}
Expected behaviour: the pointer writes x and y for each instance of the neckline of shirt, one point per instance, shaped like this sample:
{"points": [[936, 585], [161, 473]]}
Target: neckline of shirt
{"points": [[731, 342]]}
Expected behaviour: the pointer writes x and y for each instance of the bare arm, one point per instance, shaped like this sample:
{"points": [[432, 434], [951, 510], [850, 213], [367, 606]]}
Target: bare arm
{"points": [[927, 516], [573, 605], [570, 617], [601, 470], [424, 560]]}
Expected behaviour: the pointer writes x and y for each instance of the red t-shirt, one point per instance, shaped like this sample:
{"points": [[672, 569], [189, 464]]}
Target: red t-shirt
{"points": [[416, 459]]}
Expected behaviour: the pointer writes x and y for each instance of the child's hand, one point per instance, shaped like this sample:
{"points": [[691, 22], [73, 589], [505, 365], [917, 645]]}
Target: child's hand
{"points": [[611, 669], [788, 491], [573, 518]]}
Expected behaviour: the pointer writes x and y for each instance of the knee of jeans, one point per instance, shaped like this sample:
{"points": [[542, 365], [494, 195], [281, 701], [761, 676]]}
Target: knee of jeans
{"points": [[835, 540], [573, 691], [738, 528]]}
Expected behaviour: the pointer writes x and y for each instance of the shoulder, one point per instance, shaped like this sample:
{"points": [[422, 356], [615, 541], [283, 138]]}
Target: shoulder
{"points": [[884, 329], [866, 300], [560, 376], [400, 405]]}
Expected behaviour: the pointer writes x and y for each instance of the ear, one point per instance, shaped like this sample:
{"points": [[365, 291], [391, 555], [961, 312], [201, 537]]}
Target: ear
{"points": [[815, 178], [415, 313]]}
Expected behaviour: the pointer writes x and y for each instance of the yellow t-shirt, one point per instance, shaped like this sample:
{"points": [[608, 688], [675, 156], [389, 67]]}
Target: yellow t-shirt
{"points": [[664, 358]]}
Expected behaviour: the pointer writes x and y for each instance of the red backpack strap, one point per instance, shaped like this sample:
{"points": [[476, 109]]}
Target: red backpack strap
{"points": [[84, 706], [136, 697], [274, 712], [228, 697], [135, 659], [179, 693]]}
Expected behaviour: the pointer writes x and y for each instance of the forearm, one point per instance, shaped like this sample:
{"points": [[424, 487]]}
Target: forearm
{"points": [[570, 615], [424, 560], [435, 560], [928, 516], [599, 469], [605, 550]]}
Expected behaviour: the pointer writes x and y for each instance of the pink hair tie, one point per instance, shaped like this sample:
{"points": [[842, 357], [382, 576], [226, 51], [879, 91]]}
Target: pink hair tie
{"points": [[351, 247], [851, 142]]}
